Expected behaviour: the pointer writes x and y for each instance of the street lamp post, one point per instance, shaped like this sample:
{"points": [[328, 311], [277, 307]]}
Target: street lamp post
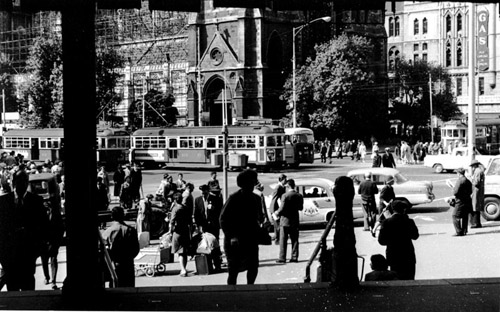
{"points": [[296, 30]]}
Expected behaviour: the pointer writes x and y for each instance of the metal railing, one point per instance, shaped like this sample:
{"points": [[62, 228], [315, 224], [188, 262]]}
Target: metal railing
{"points": [[321, 246]]}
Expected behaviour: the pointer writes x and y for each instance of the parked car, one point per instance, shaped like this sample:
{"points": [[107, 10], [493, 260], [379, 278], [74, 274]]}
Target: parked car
{"points": [[492, 190], [319, 203], [415, 192]]}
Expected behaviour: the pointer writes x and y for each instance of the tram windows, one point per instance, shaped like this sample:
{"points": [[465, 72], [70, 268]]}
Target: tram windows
{"points": [[279, 140], [211, 143], [17, 142], [198, 142], [240, 142], [231, 142], [250, 142], [271, 141], [261, 141], [172, 143], [185, 142], [172, 153]]}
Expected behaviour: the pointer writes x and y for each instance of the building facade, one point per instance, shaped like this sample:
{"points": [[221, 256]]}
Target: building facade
{"points": [[438, 32]]}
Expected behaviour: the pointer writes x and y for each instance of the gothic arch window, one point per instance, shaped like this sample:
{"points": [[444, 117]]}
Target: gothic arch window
{"points": [[396, 26], [448, 24], [459, 23], [448, 54], [415, 27], [424, 26], [393, 58], [459, 54], [391, 27]]}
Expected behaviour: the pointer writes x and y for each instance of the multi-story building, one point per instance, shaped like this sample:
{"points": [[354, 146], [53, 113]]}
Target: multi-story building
{"points": [[237, 56], [438, 32]]}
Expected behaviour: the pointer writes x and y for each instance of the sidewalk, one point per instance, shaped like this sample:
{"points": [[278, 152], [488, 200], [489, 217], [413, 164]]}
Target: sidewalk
{"points": [[423, 295]]}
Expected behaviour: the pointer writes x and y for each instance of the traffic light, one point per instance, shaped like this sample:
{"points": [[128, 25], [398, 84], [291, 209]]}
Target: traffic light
{"points": [[175, 5], [118, 4], [240, 3]]}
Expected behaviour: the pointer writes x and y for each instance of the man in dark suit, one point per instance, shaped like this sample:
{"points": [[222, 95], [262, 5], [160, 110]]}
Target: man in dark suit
{"points": [[291, 203], [31, 227], [388, 159], [397, 233], [367, 189], [278, 192]]}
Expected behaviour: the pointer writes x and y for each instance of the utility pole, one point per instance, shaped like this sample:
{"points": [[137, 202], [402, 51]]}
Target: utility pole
{"points": [[472, 81], [225, 132], [3, 112], [200, 107], [144, 87], [430, 103]]}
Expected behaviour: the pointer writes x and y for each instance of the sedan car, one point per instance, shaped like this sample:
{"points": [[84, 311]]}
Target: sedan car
{"points": [[415, 192], [319, 203]]}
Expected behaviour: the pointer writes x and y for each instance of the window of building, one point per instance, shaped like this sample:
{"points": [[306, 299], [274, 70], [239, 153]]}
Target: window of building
{"points": [[415, 58], [415, 27], [459, 54], [459, 22], [424, 46], [391, 27], [448, 55], [396, 26], [448, 23], [481, 86], [415, 47], [424, 26], [459, 86], [424, 57]]}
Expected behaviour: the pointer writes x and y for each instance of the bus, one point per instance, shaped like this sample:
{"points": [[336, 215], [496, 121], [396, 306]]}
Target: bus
{"points": [[48, 144], [299, 146], [199, 146]]}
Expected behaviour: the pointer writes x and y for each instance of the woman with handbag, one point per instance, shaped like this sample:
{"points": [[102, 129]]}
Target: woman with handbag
{"points": [[180, 228]]}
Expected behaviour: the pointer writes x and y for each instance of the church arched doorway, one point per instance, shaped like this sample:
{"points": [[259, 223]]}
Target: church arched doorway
{"points": [[214, 98]]}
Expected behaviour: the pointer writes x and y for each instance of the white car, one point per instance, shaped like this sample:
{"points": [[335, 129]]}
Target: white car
{"points": [[415, 192], [319, 203]]}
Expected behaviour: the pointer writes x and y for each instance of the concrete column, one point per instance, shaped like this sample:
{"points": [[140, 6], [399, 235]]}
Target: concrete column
{"points": [[83, 271]]}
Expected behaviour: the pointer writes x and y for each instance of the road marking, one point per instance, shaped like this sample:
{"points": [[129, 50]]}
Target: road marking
{"points": [[424, 218]]}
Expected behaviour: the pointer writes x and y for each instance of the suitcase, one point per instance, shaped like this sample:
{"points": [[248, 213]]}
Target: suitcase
{"points": [[201, 262]]}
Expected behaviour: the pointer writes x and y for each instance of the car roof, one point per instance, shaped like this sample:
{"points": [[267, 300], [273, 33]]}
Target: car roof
{"points": [[44, 176], [308, 181], [377, 170]]}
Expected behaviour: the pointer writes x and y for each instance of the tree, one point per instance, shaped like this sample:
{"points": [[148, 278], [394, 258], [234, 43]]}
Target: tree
{"points": [[337, 91], [159, 110], [41, 104], [6, 84], [412, 105], [107, 62], [41, 94]]}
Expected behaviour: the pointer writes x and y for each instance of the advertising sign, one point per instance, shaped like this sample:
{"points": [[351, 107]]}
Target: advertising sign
{"points": [[482, 57]]}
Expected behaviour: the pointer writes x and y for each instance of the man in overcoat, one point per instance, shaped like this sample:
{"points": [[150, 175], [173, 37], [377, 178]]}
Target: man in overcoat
{"points": [[477, 180], [291, 203], [278, 192], [463, 203], [397, 233]]}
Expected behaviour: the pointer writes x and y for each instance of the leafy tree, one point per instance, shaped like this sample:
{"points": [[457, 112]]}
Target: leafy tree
{"points": [[338, 95], [412, 105], [41, 95], [159, 110], [41, 104], [7, 86], [107, 61]]}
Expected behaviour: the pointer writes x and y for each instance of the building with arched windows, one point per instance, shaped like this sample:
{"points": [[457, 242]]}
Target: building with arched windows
{"points": [[438, 32]]}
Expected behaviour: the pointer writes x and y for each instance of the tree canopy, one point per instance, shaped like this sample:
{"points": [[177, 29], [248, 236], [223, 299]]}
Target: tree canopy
{"points": [[41, 103], [338, 95], [159, 110], [411, 101]]}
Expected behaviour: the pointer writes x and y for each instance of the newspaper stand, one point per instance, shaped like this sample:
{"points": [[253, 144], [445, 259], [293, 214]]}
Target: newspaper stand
{"points": [[152, 260]]}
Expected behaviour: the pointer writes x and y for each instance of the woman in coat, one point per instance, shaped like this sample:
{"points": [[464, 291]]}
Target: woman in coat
{"points": [[180, 228]]}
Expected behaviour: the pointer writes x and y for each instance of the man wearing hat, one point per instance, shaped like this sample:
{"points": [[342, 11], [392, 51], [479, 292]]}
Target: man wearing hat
{"points": [[388, 159], [278, 192], [477, 179], [377, 160], [463, 205]]}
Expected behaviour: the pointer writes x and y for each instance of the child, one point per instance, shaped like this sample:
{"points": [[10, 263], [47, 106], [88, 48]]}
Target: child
{"points": [[380, 272]]}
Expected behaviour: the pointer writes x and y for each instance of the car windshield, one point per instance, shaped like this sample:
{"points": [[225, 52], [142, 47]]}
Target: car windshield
{"points": [[400, 178]]}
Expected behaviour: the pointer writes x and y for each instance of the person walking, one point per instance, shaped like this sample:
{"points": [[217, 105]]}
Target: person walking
{"points": [[181, 222], [291, 203], [368, 189], [397, 233], [54, 239], [275, 205], [362, 151], [477, 180], [329, 151], [323, 152], [376, 159], [388, 159], [118, 179], [123, 244], [239, 221], [136, 182], [126, 198], [463, 203]]}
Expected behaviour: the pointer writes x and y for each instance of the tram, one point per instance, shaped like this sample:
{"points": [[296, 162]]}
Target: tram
{"points": [[299, 146], [113, 147], [262, 144]]}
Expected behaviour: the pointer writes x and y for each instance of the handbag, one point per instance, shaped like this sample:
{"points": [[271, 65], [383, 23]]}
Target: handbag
{"points": [[263, 237]]}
